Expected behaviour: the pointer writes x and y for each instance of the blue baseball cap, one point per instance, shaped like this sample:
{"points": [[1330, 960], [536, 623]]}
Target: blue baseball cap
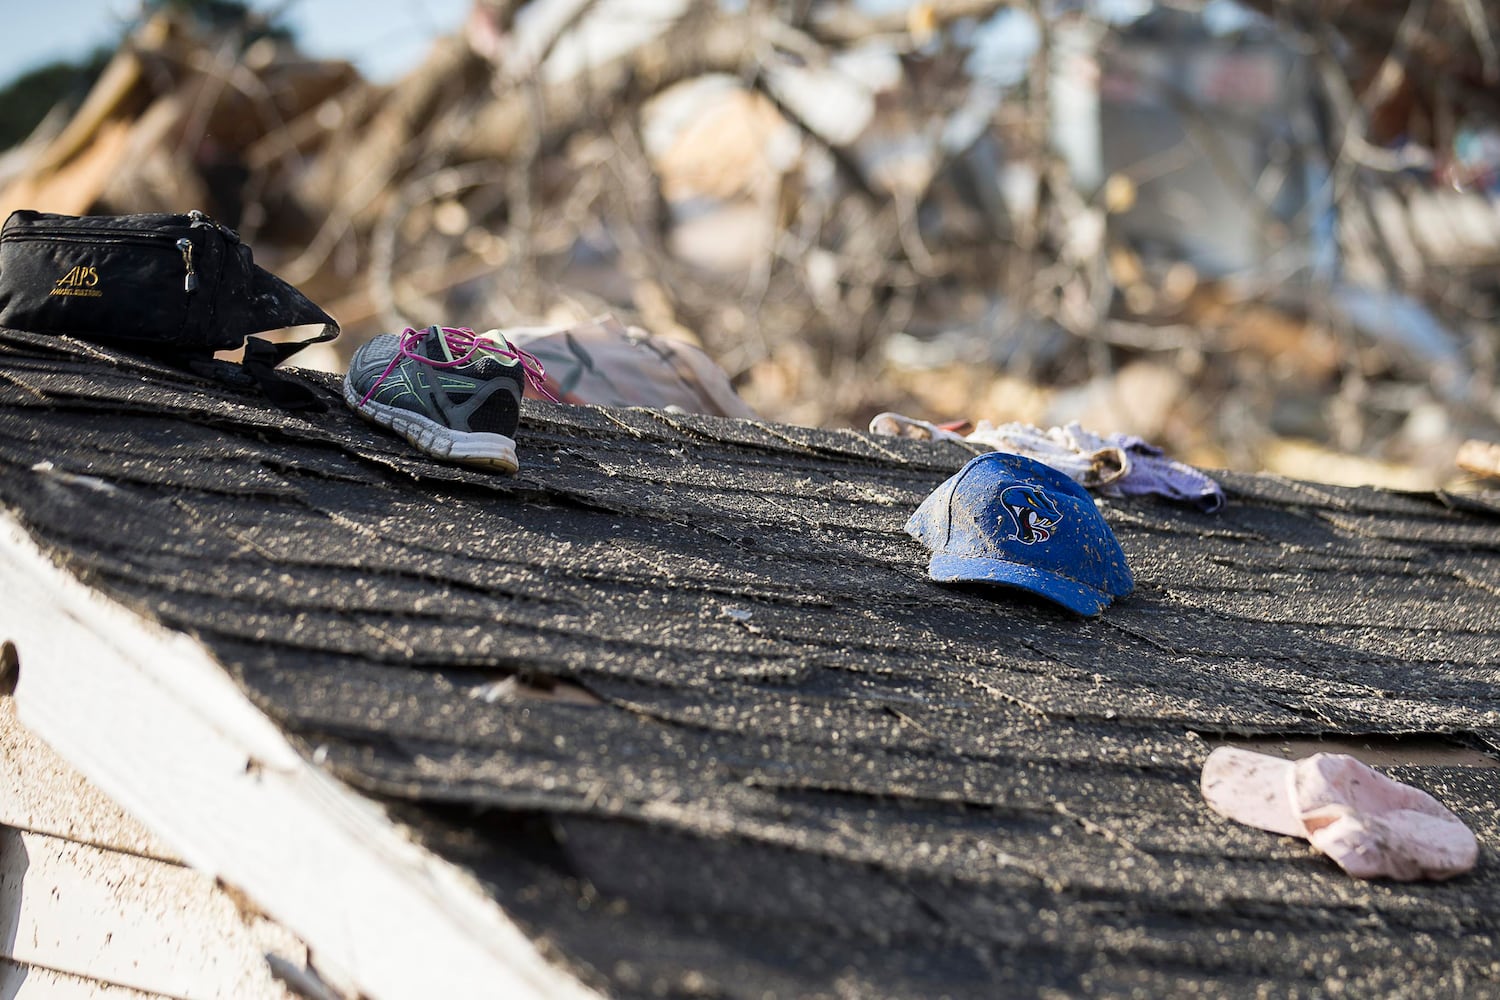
{"points": [[1011, 520]]}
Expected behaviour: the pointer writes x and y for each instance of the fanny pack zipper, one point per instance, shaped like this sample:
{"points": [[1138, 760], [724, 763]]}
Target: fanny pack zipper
{"points": [[118, 237]]}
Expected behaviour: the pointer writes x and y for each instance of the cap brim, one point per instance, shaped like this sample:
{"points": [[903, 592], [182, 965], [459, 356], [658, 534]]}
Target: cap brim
{"points": [[1071, 594], [1252, 788]]}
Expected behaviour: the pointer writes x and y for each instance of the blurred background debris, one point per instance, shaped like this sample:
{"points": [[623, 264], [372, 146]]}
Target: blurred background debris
{"points": [[1263, 236]]}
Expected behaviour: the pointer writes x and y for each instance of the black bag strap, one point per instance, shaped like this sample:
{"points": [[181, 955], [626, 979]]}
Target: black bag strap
{"points": [[262, 357], [278, 303]]}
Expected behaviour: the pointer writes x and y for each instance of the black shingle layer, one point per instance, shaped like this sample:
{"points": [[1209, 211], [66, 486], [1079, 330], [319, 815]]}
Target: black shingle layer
{"points": [[809, 770]]}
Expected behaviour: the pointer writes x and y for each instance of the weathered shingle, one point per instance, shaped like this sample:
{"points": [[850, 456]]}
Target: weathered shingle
{"points": [[810, 770]]}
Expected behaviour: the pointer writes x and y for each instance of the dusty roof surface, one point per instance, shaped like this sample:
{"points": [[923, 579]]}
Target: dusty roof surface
{"points": [[809, 770]]}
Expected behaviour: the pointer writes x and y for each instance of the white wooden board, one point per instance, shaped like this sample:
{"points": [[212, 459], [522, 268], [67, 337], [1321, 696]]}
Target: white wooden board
{"points": [[41, 793], [19, 982], [130, 921]]}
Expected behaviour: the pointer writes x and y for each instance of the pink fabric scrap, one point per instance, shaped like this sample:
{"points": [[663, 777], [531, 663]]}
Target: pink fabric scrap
{"points": [[1373, 826]]}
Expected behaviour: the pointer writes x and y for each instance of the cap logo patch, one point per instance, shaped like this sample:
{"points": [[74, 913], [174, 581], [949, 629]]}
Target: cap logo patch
{"points": [[1032, 512]]}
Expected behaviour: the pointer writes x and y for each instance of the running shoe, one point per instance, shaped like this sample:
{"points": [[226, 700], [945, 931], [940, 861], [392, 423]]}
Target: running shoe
{"points": [[451, 392]]}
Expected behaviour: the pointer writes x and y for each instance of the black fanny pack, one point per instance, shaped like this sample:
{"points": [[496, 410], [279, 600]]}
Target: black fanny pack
{"points": [[172, 286]]}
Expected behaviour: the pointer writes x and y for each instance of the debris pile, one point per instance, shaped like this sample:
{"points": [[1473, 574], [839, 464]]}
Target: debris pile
{"points": [[1198, 232]]}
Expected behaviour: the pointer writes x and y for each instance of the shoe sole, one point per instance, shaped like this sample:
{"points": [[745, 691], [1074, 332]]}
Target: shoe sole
{"points": [[489, 451]]}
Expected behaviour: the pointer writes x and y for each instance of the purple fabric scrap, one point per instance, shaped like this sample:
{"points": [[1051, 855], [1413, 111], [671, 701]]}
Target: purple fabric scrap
{"points": [[1151, 471], [1117, 465]]}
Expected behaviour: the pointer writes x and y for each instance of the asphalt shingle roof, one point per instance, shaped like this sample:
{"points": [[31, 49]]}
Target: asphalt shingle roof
{"points": [[805, 769]]}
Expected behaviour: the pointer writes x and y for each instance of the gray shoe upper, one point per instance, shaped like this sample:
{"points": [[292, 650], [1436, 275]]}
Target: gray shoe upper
{"points": [[483, 394]]}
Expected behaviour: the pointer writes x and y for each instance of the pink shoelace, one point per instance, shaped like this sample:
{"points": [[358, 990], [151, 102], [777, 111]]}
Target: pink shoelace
{"points": [[463, 343]]}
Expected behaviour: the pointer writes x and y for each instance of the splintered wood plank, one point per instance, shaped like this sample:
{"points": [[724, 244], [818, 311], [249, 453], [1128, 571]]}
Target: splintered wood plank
{"points": [[1480, 457]]}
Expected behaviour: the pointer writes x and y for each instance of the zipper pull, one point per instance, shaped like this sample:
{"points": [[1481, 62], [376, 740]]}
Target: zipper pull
{"points": [[190, 279]]}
